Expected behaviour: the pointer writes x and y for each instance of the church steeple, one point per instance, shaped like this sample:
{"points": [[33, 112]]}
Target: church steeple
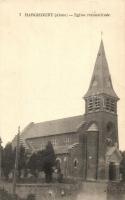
{"points": [[101, 120], [101, 80], [101, 95]]}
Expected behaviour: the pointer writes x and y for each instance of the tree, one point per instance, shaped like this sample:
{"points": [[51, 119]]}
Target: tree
{"points": [[8, 160], [22, 159], [40, 160], [32, 163], [36, 162], [49, 159], [43, 161]]}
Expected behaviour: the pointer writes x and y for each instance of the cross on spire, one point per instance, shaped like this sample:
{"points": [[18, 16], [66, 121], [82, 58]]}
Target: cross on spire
{"points": [[101, 34]]}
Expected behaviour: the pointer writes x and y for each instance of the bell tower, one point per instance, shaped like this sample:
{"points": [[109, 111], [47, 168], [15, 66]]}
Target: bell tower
{"points": [[101, 118]]}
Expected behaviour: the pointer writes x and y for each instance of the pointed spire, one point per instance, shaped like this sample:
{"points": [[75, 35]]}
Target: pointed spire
{"points": [[101, 34], [101, 80]]}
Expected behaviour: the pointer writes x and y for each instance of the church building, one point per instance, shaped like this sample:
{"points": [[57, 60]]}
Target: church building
{"points": [[86, 146]]}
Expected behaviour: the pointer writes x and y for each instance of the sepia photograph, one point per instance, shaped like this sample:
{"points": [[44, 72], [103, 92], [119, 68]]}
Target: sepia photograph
{"points": [[62, 100]]}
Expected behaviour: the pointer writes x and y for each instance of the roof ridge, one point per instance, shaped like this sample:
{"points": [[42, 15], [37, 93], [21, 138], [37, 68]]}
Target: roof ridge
{"points": [[59, 119]]}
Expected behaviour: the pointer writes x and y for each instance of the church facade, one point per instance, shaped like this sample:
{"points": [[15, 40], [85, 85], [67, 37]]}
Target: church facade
{"points": [[86, 146]]}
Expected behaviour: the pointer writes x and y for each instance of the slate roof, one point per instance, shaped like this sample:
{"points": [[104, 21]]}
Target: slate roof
{"points": [[101, 82], [54, 127]]}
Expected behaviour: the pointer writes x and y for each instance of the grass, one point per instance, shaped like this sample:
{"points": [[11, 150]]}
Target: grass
{"points": [[4, 195]]}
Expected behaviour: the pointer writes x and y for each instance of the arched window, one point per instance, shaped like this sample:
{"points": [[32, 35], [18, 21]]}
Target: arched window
{"points": [[90, 104], [75, 163], [58, 160], [110, 128], [58, 163], [94, 103], [65, 159], [54, 141], [67, 140], [97, 103], [110, 105]]}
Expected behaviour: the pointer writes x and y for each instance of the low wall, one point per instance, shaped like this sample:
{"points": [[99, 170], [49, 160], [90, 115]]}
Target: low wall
{"points": [[55, 191], [116, 191], [78, 191], [84, 190], [48, 191]]}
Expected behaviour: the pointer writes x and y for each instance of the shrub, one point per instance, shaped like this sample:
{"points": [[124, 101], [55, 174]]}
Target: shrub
{"points": [[31, 197]]}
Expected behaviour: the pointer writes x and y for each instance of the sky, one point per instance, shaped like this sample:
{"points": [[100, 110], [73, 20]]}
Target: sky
{"points": [[46, 63]]}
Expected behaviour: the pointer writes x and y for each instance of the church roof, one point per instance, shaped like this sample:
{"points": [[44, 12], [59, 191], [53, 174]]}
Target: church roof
{"points": [[54, 127], [101, 82]]}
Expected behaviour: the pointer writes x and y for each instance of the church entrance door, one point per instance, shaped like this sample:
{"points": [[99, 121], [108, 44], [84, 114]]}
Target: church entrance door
{"points": [[112, 171]]}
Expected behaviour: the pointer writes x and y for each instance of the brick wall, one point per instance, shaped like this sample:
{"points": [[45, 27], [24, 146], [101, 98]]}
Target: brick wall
{"points": [[75, 162], [57, 140], [102, 119]]}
